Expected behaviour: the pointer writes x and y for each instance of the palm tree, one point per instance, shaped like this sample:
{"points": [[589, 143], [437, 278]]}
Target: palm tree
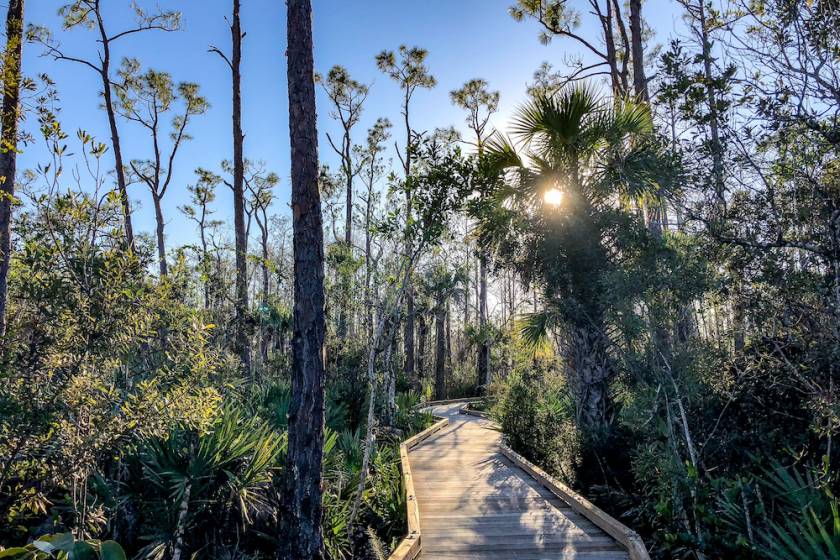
{"points": [[442, 284], [582, 157]]}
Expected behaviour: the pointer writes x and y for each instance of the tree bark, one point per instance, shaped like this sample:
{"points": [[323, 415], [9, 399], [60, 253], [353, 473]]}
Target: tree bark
{"points": [[589, 370], [301, 536], [264, 340], [107, 93], [637, 51], [241, 335], [408, 337], [422, 335], [159, 234], [483, 358], [440, 352], [8, 149]]}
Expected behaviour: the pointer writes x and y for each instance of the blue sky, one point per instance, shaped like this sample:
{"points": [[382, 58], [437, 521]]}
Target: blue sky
{"points": [[465, 38]]}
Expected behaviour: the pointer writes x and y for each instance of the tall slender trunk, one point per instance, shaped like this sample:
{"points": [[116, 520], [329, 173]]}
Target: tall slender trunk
{"points": [[483, 358], [711, 94], [422, 335], [265, 339], [348, 174], [241, 305], [8, 145], [612, 56], [159, 235], [449, 334], [637, 51], [440, 352], [368, 269], [408, 338], [464, 337], [105, 75], [301, 536]]}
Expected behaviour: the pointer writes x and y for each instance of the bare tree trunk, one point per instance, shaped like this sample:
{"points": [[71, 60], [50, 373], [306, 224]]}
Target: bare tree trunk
{"points": [[159, 235], [368, 269], [440, 351], [483, 359], [301, 535], [264, 340], [241, 340], [637, 51], [449, 335], [8, 145], [711, 94], [408, 338], [181, 523], [107, 93], [422, 335]]}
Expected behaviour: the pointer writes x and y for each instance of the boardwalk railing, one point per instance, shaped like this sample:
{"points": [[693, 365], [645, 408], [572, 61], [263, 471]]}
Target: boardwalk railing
{"points": [[617, 530], [409, 548], [614, 528]]}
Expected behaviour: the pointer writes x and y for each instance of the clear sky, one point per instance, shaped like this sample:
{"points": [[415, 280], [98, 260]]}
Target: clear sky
{"points": [[465, 38]]}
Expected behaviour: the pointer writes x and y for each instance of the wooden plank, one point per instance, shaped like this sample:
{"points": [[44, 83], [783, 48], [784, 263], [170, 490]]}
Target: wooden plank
{"points": [[610, 525], [409, 547], [474, 502]]}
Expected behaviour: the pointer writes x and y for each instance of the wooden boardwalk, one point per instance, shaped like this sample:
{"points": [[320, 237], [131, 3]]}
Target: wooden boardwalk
{"points": [[476, 504]]}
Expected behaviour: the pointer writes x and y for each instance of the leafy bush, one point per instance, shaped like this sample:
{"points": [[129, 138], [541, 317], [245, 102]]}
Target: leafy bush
{"points": [[64, 547], [535, 414]]}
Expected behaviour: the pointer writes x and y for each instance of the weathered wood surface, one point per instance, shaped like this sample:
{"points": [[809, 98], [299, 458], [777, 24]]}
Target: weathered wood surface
{"points": [[476, 504]]}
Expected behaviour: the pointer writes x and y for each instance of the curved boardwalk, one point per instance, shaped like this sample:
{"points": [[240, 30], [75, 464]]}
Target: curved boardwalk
{"points": [[475, 504]]}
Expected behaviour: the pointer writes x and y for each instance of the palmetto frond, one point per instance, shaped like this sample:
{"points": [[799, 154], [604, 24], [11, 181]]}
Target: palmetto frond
{"points": [[559, 126], [534, 328]]}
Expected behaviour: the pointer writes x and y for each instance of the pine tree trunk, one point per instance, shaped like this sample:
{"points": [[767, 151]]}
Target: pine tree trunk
{"points": [[241, 239], [266, 335], [159, 235], [8, 154], [301, 535], [107, 93], [408, 335], [637, 50]]}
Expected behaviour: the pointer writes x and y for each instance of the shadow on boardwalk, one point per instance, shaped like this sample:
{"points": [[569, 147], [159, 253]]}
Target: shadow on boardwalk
{"points": [[476, 504]]}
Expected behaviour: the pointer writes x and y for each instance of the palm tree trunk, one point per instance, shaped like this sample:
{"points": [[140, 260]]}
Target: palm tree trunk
{"points": [[422, 335], [8, 144], [440, 352], [589, 369], [181, 524], [483, 359], [301, 532]]}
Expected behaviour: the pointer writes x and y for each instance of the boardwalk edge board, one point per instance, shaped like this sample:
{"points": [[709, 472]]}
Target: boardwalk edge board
{"points": [[409, 547], [471, 412], [620, 532]]}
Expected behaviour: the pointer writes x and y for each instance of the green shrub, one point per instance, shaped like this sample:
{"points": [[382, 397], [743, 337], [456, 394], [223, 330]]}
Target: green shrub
{"points": [[535, 414]]}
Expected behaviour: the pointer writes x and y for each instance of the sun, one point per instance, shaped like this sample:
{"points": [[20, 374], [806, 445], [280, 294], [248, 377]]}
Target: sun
{"points": [[553, 197]]}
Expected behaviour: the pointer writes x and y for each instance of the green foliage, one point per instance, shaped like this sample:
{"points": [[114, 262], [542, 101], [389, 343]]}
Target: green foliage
{"points": [[535, 413], [64, 547]]}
